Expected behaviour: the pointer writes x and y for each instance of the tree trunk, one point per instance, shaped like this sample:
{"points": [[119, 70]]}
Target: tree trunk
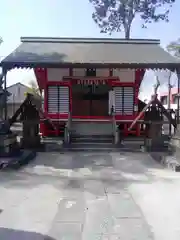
{"points": [[127, 34], [127, 31]]}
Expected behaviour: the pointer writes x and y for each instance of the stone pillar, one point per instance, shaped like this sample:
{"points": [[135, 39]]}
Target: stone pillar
{"points": [[31, 137], [175, 144], [8, 145], [178, 104], [154, 140]]}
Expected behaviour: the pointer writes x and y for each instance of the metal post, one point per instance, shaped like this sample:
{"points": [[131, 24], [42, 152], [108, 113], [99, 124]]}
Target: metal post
{"points": [[5, 94], [178, 103], [169, 94], [13, 104], [169, 98]]}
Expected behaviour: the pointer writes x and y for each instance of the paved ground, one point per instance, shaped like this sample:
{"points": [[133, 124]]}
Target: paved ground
{"points": [[90, 196]]}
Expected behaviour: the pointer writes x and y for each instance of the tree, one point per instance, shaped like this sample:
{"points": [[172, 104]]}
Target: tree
{"points": [[115, 15], [34, 89], [156, 85], [174, 48]]}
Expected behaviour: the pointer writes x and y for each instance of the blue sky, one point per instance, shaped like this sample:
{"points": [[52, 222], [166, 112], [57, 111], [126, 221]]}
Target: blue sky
{"points": [[57, 18]]}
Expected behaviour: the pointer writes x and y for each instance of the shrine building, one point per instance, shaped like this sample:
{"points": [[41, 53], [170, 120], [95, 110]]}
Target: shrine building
{"points": [[88, 80]]}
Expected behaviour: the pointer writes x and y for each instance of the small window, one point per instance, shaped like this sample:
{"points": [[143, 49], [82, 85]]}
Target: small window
{"points": [[90, 72]]}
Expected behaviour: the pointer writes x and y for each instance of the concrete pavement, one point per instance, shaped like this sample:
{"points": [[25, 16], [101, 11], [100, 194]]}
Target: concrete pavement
{"points": [[84, 196]]}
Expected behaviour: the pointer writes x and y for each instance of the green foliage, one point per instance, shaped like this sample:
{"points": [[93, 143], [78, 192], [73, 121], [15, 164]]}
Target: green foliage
{"points": [[174, 48], [34, 89], [115, 15]]}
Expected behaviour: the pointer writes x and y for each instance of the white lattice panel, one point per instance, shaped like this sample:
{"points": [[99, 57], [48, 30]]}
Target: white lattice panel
{"points": [[128, 100], [53, 99], [118, 91], [63, 99]]}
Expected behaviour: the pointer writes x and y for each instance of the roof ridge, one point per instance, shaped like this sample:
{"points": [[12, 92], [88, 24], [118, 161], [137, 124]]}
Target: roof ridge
{"points": [[14, 84], [89, 40]]}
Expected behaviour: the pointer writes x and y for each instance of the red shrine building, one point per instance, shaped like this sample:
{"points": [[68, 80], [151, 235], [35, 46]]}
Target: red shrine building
{"points": [[89, 79]]}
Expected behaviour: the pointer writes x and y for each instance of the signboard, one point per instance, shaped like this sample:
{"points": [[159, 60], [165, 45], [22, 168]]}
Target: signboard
{"points": [[91, 82]]}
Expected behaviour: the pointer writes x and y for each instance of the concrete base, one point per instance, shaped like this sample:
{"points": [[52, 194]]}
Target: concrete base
{"points": [[174, 145], [164, 153], [23, 158], [167, 160], [8, 145], [31, 142], [156, 145]]}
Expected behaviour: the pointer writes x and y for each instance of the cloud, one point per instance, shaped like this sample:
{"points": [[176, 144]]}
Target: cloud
{"points": [[17, 75]]}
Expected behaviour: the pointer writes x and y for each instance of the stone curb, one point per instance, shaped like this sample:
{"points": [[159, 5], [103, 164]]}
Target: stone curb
{"points": [[99, 150], [16, 162]]}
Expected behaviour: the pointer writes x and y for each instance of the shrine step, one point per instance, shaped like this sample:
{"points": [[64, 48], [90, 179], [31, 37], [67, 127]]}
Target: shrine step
{"points": [[98, 148], [104, 143], [97, 139], [92, 128], [96, 142]]}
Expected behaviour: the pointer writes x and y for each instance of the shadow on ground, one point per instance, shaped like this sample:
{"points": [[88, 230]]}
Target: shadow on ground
{"points": [[12, 234], [74, 171]]}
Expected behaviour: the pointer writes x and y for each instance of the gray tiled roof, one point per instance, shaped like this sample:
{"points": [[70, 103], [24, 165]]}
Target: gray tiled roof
{"points": [[17, 92], [60, 51]]}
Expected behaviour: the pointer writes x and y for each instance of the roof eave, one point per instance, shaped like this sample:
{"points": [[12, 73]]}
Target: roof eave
{"points": [[10, 65]]}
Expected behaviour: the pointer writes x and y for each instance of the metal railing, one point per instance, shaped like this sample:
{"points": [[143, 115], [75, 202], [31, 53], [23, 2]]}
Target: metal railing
{"points": [[67, 130], [115, 127]]}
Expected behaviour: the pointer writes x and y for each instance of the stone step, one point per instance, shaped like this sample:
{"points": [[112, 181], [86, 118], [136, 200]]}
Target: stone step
{"points": [[98, 149], [95, 135], [92, 139], [92, 145], [84, 128]]}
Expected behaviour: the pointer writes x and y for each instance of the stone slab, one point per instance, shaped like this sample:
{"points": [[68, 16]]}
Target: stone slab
{"points": [[99, 219], [71, 210], [69, 231], [34, 199], [129, 229], [123, 206]]}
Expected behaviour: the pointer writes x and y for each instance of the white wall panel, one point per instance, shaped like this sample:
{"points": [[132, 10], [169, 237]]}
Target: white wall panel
{"points": [[57, 74], [79, 72], [102, 72], [125, 75]]}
